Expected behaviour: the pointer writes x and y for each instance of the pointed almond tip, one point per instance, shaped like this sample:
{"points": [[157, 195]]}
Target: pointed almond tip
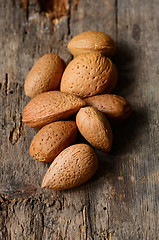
{"points": [[43, 185]]}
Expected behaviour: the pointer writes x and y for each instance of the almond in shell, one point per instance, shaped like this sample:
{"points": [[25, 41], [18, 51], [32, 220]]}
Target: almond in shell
{"points": [[88, 75], [49, 107], [92, 41], [45, 75], [72, 167], [95, 128], [113, 106], [53, 139]]}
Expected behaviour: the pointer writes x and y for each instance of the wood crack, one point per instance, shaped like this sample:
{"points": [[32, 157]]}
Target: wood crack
{"points": [[54, 10], [87, 229], [17, 131], [116, 18], [26, 7], [89, 221], [6, 84], [69, 17]]}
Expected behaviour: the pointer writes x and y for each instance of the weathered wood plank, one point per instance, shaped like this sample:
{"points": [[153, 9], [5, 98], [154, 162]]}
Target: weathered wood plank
{"points": [[121, 201]]}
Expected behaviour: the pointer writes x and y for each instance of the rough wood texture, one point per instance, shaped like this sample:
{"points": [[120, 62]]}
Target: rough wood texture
{"points": [[121, 201]]}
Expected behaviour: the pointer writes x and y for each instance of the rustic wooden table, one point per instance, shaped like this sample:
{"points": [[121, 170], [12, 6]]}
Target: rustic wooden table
{"points": [[121, 201]]}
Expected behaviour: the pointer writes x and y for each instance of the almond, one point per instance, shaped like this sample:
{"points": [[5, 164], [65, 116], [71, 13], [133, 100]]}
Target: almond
{"points": [[72, 167], [95, 128], [49, 107], [89, 74], [53, 139], [113, 106], [45, 75], [92, 41]]}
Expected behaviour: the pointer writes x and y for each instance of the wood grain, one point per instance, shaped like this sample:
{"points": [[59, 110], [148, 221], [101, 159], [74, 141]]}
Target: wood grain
{"points": [[121, 201]]}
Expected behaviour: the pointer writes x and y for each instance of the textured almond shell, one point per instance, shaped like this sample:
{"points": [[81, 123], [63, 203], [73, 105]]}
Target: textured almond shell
{"points": [[95, 128], [92, 41], [45, 75], [88, 75], [49, 107], [53, 139], [113, 106], [72, 167]]}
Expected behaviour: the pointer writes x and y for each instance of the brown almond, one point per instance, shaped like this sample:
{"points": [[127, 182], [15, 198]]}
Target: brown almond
{"points": [[53, 139], [72, 167], [113, 106], [49, 107], [88, 75], [92, 41], [95, 128], [45, 75]]}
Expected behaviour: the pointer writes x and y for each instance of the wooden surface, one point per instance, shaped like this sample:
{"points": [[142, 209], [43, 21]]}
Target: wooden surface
{"points": [[121, 201]]}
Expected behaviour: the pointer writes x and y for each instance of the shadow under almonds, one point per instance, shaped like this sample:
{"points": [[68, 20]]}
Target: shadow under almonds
{"points": [[114, 174], [124, 60], [128, 132], [126, 135]]}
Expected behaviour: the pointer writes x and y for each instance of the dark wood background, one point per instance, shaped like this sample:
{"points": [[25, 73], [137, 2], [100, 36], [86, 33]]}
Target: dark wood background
{"points": [[121, 201]]}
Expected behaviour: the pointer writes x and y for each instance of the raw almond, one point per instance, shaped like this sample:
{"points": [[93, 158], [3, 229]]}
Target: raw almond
{"points": [[92, 41], [49, 107], [88, 75], [95, 128], [53, 139], [113, 106], [45, 75], [72, 167]]}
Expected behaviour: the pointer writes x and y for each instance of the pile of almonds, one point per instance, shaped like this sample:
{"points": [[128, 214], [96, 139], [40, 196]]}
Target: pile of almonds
{"points": [[90, 74]]}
